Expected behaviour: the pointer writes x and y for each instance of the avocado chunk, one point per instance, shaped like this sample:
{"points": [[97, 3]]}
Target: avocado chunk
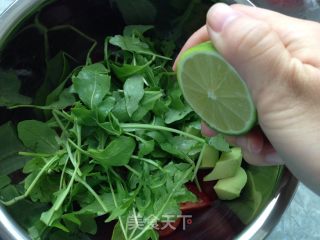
{"points": [[230, 188], [193, 128], [208, 156], [226, 166]]}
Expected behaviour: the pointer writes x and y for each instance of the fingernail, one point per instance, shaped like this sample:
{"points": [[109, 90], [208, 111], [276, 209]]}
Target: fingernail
{"points": [[274, 159], [219, 15]]}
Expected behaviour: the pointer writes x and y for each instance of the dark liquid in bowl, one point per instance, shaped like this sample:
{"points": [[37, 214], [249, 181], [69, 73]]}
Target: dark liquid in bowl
{"points": [[26, 56]]}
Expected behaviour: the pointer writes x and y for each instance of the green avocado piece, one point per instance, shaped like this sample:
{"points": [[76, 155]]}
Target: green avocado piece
{"points": [[193, 131], [226, 166], [208, 157], [230, 188], [193, 128]]}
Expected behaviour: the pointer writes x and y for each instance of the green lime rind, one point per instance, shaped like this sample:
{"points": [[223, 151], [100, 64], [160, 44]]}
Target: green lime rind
{"points": [[229, 119]]}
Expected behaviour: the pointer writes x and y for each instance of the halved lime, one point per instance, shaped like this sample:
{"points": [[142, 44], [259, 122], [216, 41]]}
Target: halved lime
{"points": [[215, 91]]}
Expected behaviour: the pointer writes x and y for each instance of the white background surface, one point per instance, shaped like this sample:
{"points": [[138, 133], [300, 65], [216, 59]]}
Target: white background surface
{"points": [[302, 218]]}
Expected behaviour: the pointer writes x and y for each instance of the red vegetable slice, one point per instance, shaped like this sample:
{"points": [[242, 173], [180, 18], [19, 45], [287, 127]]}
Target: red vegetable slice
{"points": [[203, 200]]}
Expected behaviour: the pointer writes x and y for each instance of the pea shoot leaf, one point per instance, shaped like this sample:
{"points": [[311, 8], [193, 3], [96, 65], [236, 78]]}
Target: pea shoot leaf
{"points": [[84, 116], [131, 44], [117, 233], [133, 93], [38, 136], [10, 145], [66, 99], [92, 84], [4, 181], [219, 143], [10, 86], [136, 30], [58, 68], [120, 108], [147, 104], [112, 126], [146, 147], [117, 153], [105, 107], [174, 115]]}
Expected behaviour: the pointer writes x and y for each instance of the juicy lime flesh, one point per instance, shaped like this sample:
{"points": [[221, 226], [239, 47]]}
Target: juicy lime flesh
{"points": [[216, 92]]}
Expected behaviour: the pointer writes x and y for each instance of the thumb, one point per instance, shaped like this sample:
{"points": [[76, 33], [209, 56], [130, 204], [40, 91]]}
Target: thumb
{"points": [[250, 45]]}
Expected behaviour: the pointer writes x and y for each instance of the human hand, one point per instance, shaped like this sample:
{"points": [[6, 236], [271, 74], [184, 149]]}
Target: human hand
{"points": [[279, 58]]}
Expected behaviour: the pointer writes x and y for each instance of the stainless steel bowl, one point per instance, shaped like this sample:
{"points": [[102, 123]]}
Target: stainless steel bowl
{"points": [[10, 20]]}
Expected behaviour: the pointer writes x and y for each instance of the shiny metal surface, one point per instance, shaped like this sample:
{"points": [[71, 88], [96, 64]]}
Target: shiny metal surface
{"points": [[9, 20], [259, 229], [272, 213], [14, 15], [9, 230], [245, 2]]}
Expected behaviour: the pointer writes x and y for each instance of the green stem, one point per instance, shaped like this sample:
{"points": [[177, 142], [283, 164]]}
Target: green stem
{"points": [[136, 222], [135, 136], [146, 228], [78, 148], [160, 128], [46, 46], [62, 173], [94, 42], [88, 60], [106, 52], [62, 27], [43, 30], [122, 91], [73, 160], [116, 205], [87, 186], [59, 122], [198, 162], [76, 171], [59, 202], [78, 153], [196, 181], [33, 154], [150, 161], [64, 115], [31, 106], [33, 184], [133, 170], [116, 174]]}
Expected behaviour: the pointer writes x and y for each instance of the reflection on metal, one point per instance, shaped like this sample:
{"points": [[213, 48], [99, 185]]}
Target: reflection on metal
{"points": [[9, 230], [245, 2], [14, 15], [260, 220], [267, 220]]}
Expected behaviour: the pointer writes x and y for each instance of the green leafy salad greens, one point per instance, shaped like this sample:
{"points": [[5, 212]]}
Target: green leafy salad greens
{"points": [[119, 142]]}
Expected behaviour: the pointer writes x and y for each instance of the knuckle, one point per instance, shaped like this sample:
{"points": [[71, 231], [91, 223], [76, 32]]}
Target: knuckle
{"points": [[302, 79], [250, 40], [257, 39]]}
